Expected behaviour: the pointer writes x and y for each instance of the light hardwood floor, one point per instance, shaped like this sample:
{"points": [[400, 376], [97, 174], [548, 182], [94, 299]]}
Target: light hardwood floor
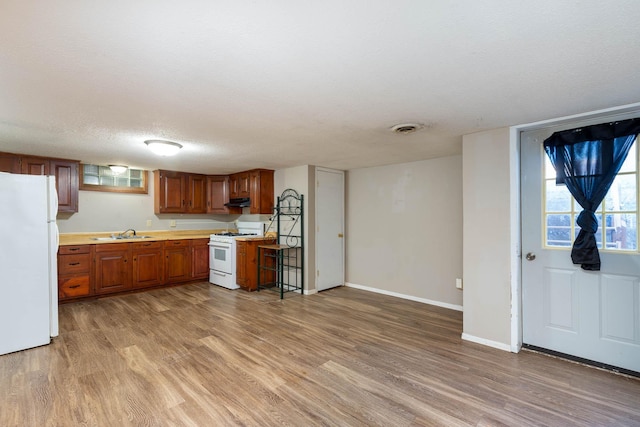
{"points": [[201, 355]]}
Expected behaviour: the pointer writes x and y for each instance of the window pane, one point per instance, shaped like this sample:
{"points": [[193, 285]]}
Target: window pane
{"points": [[90, 170], [93, 180], [622, 195], [122, 181], [558, 197], [549, 170], [559, 230], [622, 231], [629, 164], [598, 233], [106, 180]]}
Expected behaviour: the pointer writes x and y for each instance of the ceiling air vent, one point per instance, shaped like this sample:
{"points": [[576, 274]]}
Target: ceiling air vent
{"points": [[405, 128]]}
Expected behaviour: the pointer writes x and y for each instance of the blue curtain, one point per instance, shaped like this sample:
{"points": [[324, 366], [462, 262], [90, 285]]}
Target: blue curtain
{"points": [[587, 161]]}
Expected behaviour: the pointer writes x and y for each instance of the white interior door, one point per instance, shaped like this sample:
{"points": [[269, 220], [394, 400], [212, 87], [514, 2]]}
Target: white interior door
{"points": [[590, 315], [329, 228]]}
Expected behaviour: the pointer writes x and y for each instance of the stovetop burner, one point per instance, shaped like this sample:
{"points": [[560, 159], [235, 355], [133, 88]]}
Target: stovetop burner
{"points": [[231, 234]]}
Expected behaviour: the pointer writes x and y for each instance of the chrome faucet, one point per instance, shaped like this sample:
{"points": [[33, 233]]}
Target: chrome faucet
{"points": [[126, 231]]}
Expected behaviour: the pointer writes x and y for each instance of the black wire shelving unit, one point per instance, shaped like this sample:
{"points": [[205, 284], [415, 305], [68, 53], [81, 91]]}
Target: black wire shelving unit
{"points": [[281, 265]]}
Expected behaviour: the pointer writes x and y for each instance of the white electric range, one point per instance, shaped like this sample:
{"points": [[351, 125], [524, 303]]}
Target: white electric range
{"points": [[222, 253]]}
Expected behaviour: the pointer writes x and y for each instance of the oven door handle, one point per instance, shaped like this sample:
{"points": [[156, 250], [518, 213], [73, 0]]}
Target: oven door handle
{"points": [[222, 246]]}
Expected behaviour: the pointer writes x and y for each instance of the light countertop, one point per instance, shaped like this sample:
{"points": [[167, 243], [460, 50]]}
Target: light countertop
{"points": [[69, 239]]}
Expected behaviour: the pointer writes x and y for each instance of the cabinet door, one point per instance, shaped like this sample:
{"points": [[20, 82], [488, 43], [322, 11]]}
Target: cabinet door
{"points": [[34, 165], [200, 258], [261, 183], [170, 191], [177, 261], [9, 163], [241, 264], [113, 271], [147, 264], [217, 194], [233, 186], [197, 185], [243, 184], [66, 173]]}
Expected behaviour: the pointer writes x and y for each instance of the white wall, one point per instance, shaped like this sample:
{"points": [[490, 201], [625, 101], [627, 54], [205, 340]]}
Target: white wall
{"points": [[301, 179], [404, 229], [489, 185], [112, 212]]}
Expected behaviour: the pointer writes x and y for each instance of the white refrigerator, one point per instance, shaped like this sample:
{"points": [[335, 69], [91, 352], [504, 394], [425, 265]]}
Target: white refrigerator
{"points": [[28, 261]]}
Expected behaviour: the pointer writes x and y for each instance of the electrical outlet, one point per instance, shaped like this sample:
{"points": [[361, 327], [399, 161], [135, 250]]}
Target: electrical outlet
{"points": [[149, 223], [172, 223], [459, 283]]}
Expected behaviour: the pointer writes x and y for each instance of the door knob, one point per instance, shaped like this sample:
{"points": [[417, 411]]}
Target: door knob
{"points": [[530, 256]]}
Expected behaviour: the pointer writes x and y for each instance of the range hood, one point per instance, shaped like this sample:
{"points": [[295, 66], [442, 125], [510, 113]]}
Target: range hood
{"points": [[242, 202]]}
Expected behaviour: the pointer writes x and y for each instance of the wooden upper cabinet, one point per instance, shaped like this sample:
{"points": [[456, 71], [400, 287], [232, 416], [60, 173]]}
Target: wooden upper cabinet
{"points": [[9, 163], [239, 185], [67, 183], [218, 195], [197, 191], [179, 192], [65, 172], [261, 191], [170, 191], [34, 165]]}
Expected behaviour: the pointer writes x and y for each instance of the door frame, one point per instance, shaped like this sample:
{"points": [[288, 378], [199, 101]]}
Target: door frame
{"points": [[516, 211]]}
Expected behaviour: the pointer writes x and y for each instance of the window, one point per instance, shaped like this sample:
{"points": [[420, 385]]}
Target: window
{"points": [[102, 178], [619, 210]]}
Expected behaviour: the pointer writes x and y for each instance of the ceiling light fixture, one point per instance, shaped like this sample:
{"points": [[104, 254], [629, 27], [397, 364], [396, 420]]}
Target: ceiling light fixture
{"points": [[118, 169], [405, 128], [163, 148]]}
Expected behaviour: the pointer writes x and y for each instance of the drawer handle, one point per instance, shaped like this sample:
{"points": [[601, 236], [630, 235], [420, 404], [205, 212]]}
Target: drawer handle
{"points": [[146, 244], [74, 249], [74, 263], [74, 286]]}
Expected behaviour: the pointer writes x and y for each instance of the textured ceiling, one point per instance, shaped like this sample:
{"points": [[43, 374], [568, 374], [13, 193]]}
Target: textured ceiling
{"points": [[244, 84]]}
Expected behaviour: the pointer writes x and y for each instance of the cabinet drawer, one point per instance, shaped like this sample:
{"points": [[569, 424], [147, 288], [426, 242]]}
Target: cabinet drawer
{"points": [[69, 250], [71, 264], [176, 243], [75, 286], [146, 245], [112, 247]]}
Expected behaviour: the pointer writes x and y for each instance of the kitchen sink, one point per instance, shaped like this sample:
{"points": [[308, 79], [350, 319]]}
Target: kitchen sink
{"points": [[121, 238]]}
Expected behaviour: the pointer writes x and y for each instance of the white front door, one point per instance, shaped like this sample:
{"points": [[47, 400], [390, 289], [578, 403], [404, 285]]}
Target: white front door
{"points": [[329, 228], [586, 314]]}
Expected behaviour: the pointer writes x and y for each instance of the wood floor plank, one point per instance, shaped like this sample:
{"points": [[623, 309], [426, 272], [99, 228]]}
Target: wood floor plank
{"points": [[201, 355]]}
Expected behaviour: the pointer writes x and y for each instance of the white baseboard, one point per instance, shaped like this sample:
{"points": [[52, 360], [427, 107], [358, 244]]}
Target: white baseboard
{"points": [[310, 291], [489, 343], [403, 296]]}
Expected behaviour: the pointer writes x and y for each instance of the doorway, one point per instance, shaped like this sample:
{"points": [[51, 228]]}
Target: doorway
{"points": [[592, 315], [329, 228]]}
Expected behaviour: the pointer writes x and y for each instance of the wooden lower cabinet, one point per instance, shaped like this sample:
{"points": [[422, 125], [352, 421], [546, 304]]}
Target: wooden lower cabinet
{"points": [[113, 269], [74, 272], [148, 265], [247, 262], [110, 268], [200, 258], [241, 264], [177, 262]]}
